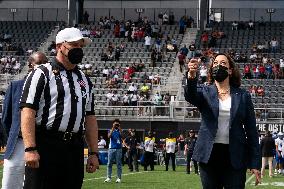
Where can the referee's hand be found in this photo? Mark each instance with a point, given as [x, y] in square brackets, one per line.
[92, 164]
[32, 159]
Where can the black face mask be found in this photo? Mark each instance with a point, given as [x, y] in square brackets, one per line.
[75, 55]
[220, 73]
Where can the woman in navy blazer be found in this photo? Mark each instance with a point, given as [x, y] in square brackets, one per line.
[227, 143]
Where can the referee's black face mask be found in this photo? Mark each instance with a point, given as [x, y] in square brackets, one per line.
[74, 55]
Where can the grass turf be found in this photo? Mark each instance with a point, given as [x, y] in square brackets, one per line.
[160, 179]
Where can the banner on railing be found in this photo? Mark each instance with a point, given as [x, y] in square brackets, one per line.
[272, 127]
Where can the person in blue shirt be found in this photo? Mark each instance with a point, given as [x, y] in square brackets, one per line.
[115, 150]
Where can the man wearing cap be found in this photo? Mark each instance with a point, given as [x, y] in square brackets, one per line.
[188, 152]
[57, 113]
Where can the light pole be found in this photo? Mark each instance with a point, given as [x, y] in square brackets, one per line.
[270, 12]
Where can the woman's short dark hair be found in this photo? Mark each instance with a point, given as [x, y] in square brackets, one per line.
[234, 78]
[116, 121]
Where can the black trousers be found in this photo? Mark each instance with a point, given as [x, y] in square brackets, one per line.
[61, 164]
[149, 160]
[188, 159]
[133, 159]
[173, 158]
[218, 173]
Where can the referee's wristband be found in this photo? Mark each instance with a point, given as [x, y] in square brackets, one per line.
[30, 149]
[93, 153]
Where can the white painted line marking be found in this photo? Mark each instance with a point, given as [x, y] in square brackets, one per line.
[249, 179]
[126, 174]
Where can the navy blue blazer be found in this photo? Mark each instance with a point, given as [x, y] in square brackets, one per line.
[243, 136]
[11, 119]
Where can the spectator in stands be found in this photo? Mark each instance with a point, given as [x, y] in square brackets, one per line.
[267, 147]
[251, 25]
[171, 18]
[157, 101]
[204, 39]
[223, 159]
[114, 99]
[188, 152]
[181, 61]
[211, 19]
[134, 98]
[273, 45]
[117, 30]
[253, 90]
[260, 91]
[182, 25]
[171, 148]
[153, 58]
[105, 72]
[160, 18]
[115, 150]
[213, 39]
[165, 18]
[275, 71]
[108, 98]
[192, 50]
[126, 99]
[268, 71]
[145, 89]
[102, 143]
[132, 88]
[262, 71]
[247, 72]
[158, 43]
[147, 43]
[117, 53]
[235, 25]
[184, 50]
[85, 32]
[126, 77]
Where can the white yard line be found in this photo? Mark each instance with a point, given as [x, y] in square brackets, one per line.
[126, 174]
[249, 179]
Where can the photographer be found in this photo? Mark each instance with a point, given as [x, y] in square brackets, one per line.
[115, 150]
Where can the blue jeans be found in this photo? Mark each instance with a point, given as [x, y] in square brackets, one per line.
[114, 156]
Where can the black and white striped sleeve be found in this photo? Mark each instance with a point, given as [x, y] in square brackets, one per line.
[33, 89]
[90, 104]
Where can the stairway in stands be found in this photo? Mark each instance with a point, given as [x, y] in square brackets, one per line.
[174, 82]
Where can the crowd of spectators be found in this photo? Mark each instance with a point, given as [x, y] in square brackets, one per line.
[10, 65]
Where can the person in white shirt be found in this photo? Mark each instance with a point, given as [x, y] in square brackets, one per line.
[165, 19]
[132, 88]
[125, 99]
[147, 43]
[102, 143]
[279, 143]
[274, 45]
[105, 72]
[281, 62]
[170, 148]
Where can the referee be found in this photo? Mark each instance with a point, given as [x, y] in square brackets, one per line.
[57, 113]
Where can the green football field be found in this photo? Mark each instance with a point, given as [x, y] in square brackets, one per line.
[160, 179]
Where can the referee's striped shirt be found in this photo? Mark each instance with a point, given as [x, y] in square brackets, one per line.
[60, 97]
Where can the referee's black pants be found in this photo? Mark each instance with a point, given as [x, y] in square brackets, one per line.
[167, 160]
[61, 164]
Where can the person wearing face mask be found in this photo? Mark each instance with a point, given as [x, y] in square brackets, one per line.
[227, 143]
[14, 164]
[57, 114]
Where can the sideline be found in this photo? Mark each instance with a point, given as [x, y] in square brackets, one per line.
[126, 174]
[249, 179]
